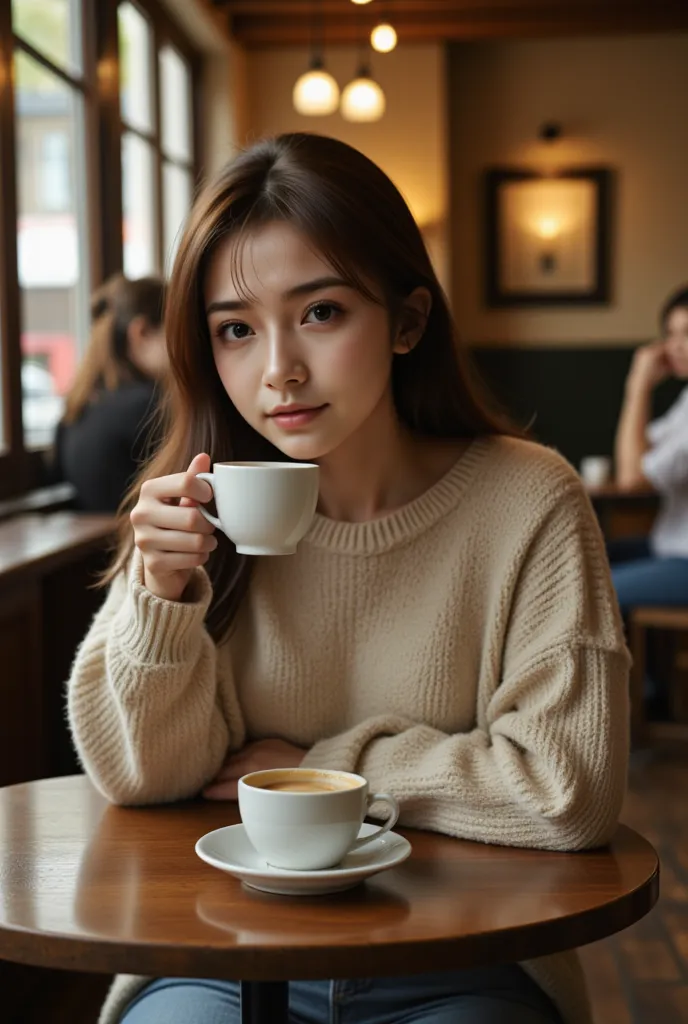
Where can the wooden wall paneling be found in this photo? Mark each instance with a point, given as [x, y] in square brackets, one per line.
[21, 703]
[69, 602]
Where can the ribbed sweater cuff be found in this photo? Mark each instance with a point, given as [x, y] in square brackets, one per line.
[344, 751]
[336, 753]
[153, 630]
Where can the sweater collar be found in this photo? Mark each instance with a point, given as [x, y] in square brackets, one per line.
[399, 527]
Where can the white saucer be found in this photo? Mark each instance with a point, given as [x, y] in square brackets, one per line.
[229, 849]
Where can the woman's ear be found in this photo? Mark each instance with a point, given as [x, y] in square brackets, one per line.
[412, 320]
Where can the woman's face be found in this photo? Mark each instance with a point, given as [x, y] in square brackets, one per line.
[147, 348]
[305, 359]
[676, 340]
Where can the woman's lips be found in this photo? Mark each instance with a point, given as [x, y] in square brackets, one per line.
[299, 418]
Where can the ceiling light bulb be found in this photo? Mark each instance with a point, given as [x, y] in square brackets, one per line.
[383, 38]
[363, 100]
[360, 1]
[316, 94]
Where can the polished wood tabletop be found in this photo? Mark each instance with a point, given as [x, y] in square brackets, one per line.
[89, 886]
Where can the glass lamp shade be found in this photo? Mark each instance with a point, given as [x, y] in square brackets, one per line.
[383, 38]
[363, 100]
[316, 93]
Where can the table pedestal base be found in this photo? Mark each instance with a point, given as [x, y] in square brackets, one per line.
[265, 1002]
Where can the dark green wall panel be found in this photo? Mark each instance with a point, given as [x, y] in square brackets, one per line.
[571, 395]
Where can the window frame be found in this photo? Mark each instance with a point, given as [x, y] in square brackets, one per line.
[21, 468]
[164, 31]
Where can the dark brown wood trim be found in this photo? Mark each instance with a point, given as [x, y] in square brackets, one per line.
[267, 23]
[167, 28]
[94, 194]
[10, 317]
[109, 138]
[158, 42]
[73, 81]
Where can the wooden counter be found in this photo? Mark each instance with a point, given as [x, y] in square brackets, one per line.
[48, 565]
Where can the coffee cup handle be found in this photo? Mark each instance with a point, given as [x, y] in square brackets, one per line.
[391, 821]
[209, 479]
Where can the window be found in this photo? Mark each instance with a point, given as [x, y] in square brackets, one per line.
[139, 174]
[60, 124]
[55, 172]
[52, 195]
[177, 147]
[53, 27]
[157, 147]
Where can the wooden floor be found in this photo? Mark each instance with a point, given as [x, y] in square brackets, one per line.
[641, 975]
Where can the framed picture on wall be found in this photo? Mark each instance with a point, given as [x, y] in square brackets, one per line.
[547, 237]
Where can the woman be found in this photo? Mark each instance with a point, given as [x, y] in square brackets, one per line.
[654, 570]
[447, 627]
[107, 428]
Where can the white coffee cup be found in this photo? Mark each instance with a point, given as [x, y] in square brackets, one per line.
[264, 507]
[307, 819]
[596, 470]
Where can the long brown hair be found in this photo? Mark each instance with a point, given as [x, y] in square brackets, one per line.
[358, 219]
[106, 363]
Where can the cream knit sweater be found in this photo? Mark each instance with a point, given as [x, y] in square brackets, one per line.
[464, 653]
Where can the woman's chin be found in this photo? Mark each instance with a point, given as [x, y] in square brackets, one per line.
[301, 449]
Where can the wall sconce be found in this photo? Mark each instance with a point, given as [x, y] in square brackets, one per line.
[547, 236]
[548, 228]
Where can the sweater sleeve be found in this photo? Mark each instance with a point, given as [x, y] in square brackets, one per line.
[545, 765]
[150, 710]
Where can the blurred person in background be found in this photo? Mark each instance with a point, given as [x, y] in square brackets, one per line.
[654, 570]
[108, 426]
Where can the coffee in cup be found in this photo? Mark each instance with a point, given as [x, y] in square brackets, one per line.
[308, 819]
[264, 507]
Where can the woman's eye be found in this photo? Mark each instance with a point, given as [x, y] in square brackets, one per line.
[322, 313]
[237, 330]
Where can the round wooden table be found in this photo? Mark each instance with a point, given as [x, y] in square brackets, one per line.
[88, 886]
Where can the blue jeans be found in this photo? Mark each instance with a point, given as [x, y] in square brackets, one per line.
[491, 995]
[641, 578]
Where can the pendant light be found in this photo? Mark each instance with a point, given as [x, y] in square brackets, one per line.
[316, 93]
[383, 38]
[363, 99]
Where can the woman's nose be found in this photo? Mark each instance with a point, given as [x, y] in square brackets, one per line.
[283, 366]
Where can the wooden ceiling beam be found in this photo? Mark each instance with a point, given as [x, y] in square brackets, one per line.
[293, 30]
[401, 8]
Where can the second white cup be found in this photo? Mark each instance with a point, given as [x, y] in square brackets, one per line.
[265, 508]
[596, 470]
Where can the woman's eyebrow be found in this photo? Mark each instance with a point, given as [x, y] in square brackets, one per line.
[306, 288]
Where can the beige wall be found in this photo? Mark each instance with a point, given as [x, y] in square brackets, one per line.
[223, 104]
[622, 103]
[409, 143]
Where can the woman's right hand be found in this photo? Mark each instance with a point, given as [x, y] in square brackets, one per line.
[650, 366]
[169, 531]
